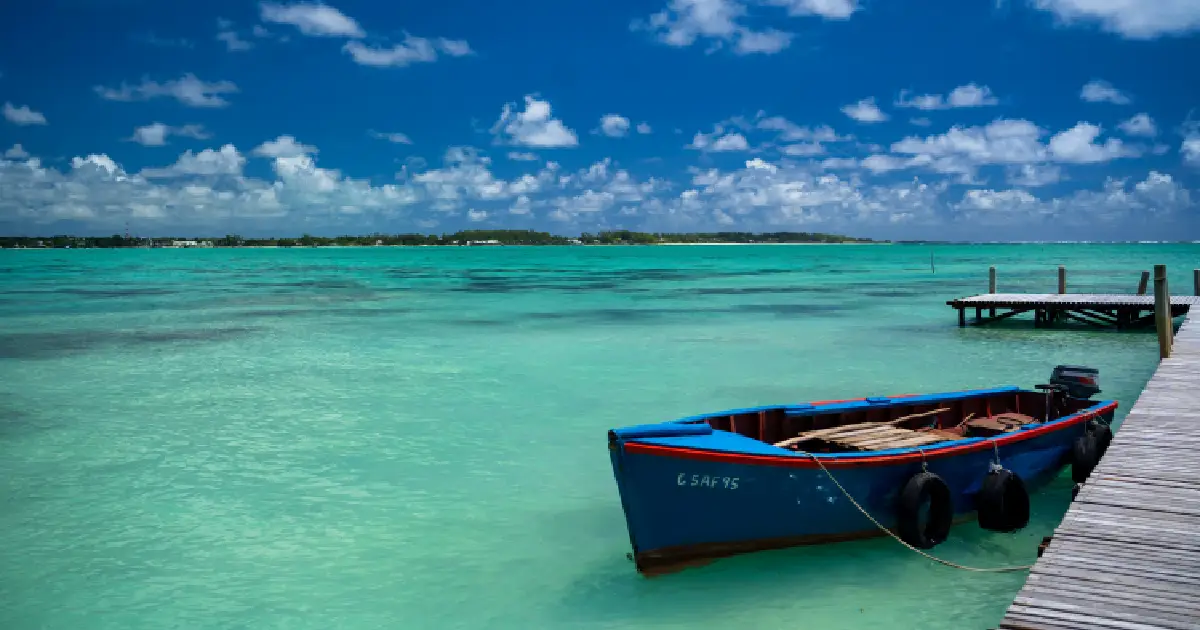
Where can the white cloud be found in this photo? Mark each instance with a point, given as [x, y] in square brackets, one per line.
[393, 137]
[683, 22]
[283, 147]
[228, 36]
[1133, 19]
[993, 200]
[522, 156]
[719, 140]
[808, 141]
[454, 47]
[880, 163]
[614, 125]
[466, 177]
[774, 196]
[467, 182]
[1158, 193]
[1097, 91]
[1140, 125]
[533, 127]
[759, 163]
[225, 161]
[590, 194]
[865, 111]
[1190, 149]
[721, 23]
[209, 191]
[828, 9]
[999, 142]
[644, 128]
[522, 206]
[766, 42]
[413, 50]
[312, 18]
[1078, 145]
[233, 43]
[1008, 142]
[1034, 175]
[834, 164]
[22, 115]
[187, 89]
[156, 134]
[17, 152]
[803, 149]
[791, 132]
[921, 122]
[152, 135]
[969, 95]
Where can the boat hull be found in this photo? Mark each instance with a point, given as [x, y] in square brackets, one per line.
[688, 504]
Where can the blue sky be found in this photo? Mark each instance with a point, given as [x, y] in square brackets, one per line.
[954, 119]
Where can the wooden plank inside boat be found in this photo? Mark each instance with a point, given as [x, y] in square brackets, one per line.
[855, 428]
[878, 436]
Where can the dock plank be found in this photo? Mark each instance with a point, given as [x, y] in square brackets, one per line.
[1127, 553]
[1064, 299]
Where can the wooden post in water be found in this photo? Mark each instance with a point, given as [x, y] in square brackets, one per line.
[1162, 311]
[992, 287]
[1145, 281]
[1062, 279]
[1196, 282]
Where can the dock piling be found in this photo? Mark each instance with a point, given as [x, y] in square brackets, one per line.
[992, 287]
[1143, 282]
[1196, 282]
[1162, 311]
[1062, 279]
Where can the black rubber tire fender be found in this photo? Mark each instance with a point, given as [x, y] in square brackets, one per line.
[1002, 504]
[1104, 436]
[1085, 454]
[922, 487]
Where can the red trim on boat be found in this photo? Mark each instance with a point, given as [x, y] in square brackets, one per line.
[792, 461]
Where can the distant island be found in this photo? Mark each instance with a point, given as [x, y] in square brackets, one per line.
[460, 238]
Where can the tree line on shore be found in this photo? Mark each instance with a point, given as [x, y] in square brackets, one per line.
[463, 237]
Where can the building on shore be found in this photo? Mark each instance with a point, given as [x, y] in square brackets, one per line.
[183, 243]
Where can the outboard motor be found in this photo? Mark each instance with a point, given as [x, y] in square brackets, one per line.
[1079, 382]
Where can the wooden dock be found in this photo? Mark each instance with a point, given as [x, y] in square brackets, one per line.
[1100, 310]
[1127, 554]
[1103, 310]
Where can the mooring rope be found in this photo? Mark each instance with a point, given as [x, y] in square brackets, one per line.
[901, 540]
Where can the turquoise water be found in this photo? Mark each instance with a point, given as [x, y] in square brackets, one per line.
[415, 437]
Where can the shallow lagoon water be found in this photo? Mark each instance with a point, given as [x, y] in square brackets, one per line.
[415, 437]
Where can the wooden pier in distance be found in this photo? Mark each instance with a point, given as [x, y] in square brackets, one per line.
[1094, 309]
[1127, 554]
[1100, 310]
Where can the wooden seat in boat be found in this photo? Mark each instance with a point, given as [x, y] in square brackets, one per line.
[999, 423]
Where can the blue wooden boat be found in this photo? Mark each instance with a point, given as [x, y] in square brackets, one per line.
[743, 480]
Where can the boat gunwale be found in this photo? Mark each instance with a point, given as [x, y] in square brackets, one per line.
[912, 454]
